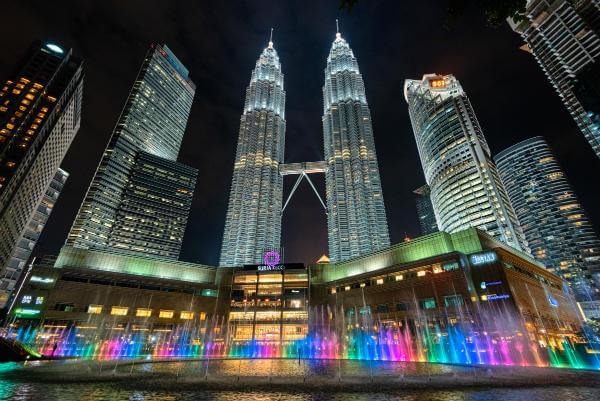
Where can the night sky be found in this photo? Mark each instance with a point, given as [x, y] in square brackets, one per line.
[219, 42]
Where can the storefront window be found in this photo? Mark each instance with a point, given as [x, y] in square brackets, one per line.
[428, 303]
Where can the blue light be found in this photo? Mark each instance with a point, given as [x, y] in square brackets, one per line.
[483, 258]
[494, 297]
[54, 48]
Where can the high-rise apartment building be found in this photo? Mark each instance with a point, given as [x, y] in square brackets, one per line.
[24, 246]
[356, 218]
[253, 221]
[466, 190]
[425, 211]
[40, 113]
[554, 223]
[122, 206]
[564, 37]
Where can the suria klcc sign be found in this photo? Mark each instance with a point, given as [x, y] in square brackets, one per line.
[271, 261]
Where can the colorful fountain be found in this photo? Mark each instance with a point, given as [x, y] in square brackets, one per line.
[341, 335]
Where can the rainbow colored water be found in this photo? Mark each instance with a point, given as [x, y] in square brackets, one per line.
[434, 343]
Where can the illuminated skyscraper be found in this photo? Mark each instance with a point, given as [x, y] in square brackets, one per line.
[425, 211]
[253, 221]
[556, 227]
[356, 218]
[24, 246]
[40, 113]
[122, 209]
[564, 37]
[466, 190]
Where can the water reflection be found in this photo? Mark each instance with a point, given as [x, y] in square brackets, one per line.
[36, 382]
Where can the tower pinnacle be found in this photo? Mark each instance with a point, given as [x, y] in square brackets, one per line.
[338, 35]
[271, 39]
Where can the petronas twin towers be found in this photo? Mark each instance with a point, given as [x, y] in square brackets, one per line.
[356, 218]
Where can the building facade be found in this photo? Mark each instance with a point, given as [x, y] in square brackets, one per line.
[466, 190]
[156, 203]
[442, 281]
[555, 225]
[40, 114]
[153, 121]
[456, 298]
[253, 221]
[564, 37]
[425, 211]
[30, 236]
[269, 303]
[356, 217]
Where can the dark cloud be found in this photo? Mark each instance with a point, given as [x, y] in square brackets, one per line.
[219, 43]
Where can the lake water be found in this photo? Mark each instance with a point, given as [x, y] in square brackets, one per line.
[262, 380]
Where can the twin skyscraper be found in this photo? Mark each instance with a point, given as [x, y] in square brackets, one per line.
[356, 218]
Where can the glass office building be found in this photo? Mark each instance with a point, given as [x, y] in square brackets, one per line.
[555, 225]
[425, 211]
[564, 38]
[253, 221]
[466, 190]
[356, 218]
[153, 121]
[40, 114]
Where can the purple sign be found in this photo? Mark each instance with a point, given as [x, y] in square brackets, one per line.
[271, 259]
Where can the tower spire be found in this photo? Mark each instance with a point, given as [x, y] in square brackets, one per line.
[338, 35]
[271, 39]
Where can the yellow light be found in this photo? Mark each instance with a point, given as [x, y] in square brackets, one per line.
[142, 312]
[166, 314]
[119, 310]
[94, 309]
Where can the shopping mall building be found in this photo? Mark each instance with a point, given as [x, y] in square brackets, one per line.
[440, 278]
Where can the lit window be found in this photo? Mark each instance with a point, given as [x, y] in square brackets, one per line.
[428, 303]
[332, 291]
[421, 273]
[39, 300]
[119, 310]
[186, 315]
[379, 281]
[26, 299]
[399, 277]
[347, 288]
[94, 309]
[142, 312]
[166, 314]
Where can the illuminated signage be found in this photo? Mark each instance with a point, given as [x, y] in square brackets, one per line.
[22, 312]
[494, 297]
[271, 261]
[486, 284]
[54, 48]
[552, 301]
[437, 83]
[43, 280]
[483, 258]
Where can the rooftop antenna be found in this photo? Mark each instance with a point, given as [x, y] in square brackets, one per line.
[338, 36]
[271, 39]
